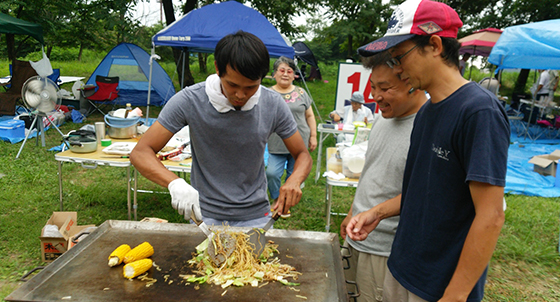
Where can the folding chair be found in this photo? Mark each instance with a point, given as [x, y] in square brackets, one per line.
[21, 72]
[490, 84]
[531, 116]
[105, 94]
[55, 76]
[372, 106]
[515, 118]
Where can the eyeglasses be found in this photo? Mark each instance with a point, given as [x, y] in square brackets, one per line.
[289, 71]
[396, 61]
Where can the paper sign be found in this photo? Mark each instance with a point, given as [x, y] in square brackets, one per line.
[352, 77]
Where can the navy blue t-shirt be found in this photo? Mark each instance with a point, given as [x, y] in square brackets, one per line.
[463, 138]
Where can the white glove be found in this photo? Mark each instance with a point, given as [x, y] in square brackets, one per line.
[184, 199]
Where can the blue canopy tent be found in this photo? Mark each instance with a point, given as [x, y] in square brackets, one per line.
[528, 46]
[131, 64]
[201, 29]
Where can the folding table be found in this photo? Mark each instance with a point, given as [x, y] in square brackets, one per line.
[345, 182]
[324, 131]
[100, 158]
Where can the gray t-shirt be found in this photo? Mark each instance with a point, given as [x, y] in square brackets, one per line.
[228, 149]
[382, 178]
[298, 101]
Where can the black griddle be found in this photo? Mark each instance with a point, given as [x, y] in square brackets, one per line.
[82, 273]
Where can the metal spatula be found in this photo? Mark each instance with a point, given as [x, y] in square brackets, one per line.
[218, 248]
[257, 236]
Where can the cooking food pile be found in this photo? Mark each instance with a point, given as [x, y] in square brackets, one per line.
[136, 260]
[241, 267]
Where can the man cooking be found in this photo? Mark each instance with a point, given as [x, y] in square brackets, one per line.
[230, 117]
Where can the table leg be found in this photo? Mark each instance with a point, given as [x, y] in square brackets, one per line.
[60, 185]
[328, 198]
[128, 191]
[319, 156]
[128, 203]
[135, 192]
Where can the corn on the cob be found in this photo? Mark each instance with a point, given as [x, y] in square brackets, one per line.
[144, 250]
[136, 268]
[117, 255]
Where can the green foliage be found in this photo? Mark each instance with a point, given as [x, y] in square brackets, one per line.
[347, 25]
[96, 24]
[67, 54]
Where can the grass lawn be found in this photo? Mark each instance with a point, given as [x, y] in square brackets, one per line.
[524, 267]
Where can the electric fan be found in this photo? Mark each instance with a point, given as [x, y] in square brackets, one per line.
[40, 95]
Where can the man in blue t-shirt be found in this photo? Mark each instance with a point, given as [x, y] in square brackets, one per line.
[451, 208]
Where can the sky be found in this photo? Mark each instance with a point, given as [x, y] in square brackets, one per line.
[148, 12]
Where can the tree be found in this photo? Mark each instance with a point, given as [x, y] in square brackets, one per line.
[19, 9]
[352, 23]
[74, 23]
[279, 12]
[169, 13]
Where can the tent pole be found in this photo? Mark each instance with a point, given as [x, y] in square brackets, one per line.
[310, 96]
[472, 59]
[183, 71]
[150, 83]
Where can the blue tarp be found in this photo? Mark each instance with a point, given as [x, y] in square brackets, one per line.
[529, 46]
[520, 177]
[201, 29]
[132, 65]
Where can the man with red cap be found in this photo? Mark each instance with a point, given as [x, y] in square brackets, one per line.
[451, 211]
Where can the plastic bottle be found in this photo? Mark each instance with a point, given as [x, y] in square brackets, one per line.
[128, 110]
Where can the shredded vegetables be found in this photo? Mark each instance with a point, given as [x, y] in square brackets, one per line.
[241, 267]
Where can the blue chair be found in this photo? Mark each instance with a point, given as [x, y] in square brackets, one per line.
[55, 77]
[372, 106]
[22, 72]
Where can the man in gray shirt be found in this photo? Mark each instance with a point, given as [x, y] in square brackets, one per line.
[230, 118]
[382, 175]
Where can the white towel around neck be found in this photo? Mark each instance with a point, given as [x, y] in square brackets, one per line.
[219, 100]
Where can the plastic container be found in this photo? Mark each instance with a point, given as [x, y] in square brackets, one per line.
[334, 164]
[121, 127]
[352, 166]
[353, 160]
[12, 129]
[106, 142]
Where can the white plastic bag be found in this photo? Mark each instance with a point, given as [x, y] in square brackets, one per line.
[42, 67]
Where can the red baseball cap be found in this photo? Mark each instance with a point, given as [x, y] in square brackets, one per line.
[415, 17]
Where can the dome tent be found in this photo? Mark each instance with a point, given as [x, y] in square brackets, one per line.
[132, 65]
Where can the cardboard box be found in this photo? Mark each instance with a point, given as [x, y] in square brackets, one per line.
[76, 234]
[546, 164]
[67, 223]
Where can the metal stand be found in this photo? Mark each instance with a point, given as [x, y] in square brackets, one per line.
[41, 129]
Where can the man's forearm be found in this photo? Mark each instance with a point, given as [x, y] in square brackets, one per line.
[302, 167]
[480, 241]
[146, 162]
[476, 254]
